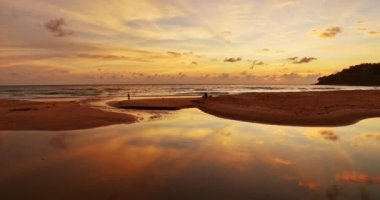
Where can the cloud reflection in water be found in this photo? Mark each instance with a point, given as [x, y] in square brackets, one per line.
[189, 156]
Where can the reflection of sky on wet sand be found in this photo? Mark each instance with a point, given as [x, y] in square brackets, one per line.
[193, 156]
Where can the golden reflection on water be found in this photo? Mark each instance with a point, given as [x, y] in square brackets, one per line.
[193, 155]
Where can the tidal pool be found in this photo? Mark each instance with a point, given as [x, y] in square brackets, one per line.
[193, 155]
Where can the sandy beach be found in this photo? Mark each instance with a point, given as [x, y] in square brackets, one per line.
[335, 108]
[332, 108]
[31, 115]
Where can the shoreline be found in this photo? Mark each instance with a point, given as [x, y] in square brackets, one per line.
[327, 109]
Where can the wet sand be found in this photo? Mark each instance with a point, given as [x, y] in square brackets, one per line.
[69, 115]
[335, 108]
[156, 104]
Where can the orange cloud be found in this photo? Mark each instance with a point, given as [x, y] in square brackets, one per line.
[110, 57]
[225, 36]
[256, 63]
[307, 184]
[357, 177]
[281, 161]
[329, 135]
[369, 32]
[174, 54]
[56, 26]
[233, 59]
[373, 135]
[331, 32]
[297, 60]
[360, 139]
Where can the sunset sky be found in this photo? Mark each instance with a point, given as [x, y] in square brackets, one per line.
[184, 41]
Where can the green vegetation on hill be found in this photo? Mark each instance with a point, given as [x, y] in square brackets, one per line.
[367, 74]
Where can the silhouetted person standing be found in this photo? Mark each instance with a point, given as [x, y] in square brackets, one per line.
[129, 96]
[205, 95]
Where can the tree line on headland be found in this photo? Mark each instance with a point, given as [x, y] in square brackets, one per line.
[366, 74]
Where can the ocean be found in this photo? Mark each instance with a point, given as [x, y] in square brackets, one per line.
[115, 91]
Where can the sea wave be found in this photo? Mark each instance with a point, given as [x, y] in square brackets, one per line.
[89, 91]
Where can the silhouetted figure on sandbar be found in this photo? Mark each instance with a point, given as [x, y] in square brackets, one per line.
[205, 95]
[129, 96]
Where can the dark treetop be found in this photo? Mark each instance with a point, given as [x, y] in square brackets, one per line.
[367, 74]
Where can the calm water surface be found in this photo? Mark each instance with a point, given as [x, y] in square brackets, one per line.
[192, 155]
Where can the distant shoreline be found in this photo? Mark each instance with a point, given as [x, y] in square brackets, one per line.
[328, 108]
